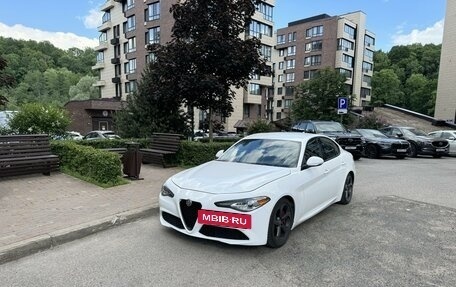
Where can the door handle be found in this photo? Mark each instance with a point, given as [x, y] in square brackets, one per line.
[326, 171]
[343, 163]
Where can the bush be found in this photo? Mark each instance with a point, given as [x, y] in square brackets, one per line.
[221, 140]
[196, 153]
[113, 143]
[259, 126]
[37, 118]
[96, 166]
[372, 121]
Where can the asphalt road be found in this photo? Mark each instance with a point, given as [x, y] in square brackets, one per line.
[400, 230]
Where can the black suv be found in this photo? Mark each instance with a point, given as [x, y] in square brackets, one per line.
[353, 143]
[420, 142]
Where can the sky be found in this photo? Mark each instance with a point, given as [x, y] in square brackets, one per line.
[73, 23]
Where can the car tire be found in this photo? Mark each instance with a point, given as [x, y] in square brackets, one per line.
[347, 192]
[400, 156]
[356, 156]
[280, 223]
[413, 150]
[372, 151]
[437, 156]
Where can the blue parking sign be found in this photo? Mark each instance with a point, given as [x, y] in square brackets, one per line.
[342, 105]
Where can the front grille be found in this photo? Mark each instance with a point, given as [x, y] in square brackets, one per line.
[222, 232]
[349, 141]
[440, 143]
[189, 213]
[399, 145]
[173, 220]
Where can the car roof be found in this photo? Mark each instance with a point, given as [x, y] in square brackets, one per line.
[444, 131]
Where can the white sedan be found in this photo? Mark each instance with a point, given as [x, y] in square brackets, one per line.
[450, 136]
[259, 189]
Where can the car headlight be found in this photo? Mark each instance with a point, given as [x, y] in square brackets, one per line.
[245, 204]
[165, 191]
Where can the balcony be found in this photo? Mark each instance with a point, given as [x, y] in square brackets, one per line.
[115, 41]
[98, 66]
[132, 76]
[102, 46]
[107, 5]
[252, 99]
[99, 83]
[105, 26]
[116, 80]
[115, 61]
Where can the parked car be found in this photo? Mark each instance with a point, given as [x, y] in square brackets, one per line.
[199, 134]
[378, 144]
[420, 142]
[351, 142]
[450, 136]
[69, 135]
[259, 189]
[97, 135]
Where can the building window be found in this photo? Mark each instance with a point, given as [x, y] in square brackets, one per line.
[310, 74]
[367, 80]
[130, 87]
[278, 116]
[153, 35]
[279, 103]
[290, 77]
[280, 39]
[369, 41]
[292, 37]
[266, 10]
[312, 60]
[281, 65]
[254, 76]
[282, 52]
[100, 57]
[348, 60]
[279, 91]
[291, 51]
[344, 45]
[106, 17]
[287, 103]
[151, 58]
[131, 45]
[280, 78]
[152, 12]
[130, 66]
[365, 92]
[314, 46]
[103, 37]
[127, 5]
[130, 24]
[346, 73]
[367, 67]
[369, 54]
[254, 89]
[291, 64]
[247, 110]
[350, 31]
[314, 31]
[289, 91]
[257, 29]
[266, 52]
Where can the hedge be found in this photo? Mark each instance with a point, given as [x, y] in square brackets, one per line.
[97, 166]
[113, 143]
[196, 153]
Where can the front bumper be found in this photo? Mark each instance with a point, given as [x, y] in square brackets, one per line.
[174, 213]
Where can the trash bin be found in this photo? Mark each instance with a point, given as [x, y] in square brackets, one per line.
[132, 160]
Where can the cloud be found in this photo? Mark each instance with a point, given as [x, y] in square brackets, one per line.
[61, 40]
[433, 34]
[93, 19]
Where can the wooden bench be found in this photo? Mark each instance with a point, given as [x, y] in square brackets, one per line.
[163, 149]
[26, 154]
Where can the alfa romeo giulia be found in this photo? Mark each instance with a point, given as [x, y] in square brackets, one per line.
[259, 189]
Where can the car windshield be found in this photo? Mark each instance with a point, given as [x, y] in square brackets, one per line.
[330, 127]
[270, 152]
[415, 132]
[372, 133]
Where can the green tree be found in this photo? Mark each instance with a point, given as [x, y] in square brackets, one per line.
[5, 80]
[37, 118]
[386, 87]
[316, 99]
[84, 89]
[259, 126]
[419, 91]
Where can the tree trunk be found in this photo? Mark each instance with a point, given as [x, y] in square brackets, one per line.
[211, 133]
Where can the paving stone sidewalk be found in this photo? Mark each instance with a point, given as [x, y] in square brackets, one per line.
[36, 205]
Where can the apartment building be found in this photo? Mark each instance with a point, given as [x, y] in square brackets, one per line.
[308, 45]
[130, 25]
[445, 106]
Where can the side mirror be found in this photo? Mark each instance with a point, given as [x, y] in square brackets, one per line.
[399, 135]
[219, 153]
[451, 138]
[313, 161]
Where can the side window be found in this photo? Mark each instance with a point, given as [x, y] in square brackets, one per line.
[302, 126]
[396, 132]
[446, 135]
[311, 128]
[330, 149]
[387, 132]
[312, 149]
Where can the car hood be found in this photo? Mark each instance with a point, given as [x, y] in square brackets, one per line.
[218, 177]
[341, 135]
[385, 140]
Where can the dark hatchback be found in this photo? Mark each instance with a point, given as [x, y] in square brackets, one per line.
[420, 142]
[378, 144]
[351, 142]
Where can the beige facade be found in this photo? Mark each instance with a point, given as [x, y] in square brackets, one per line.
[308, 45]
[130, 25]
[445, 106]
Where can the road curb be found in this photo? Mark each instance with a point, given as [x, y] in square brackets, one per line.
[46, 241]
